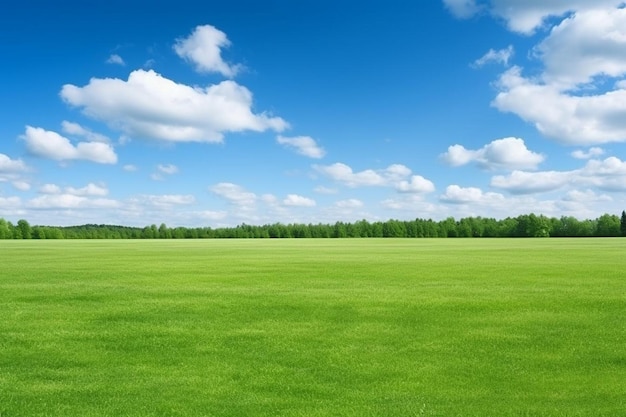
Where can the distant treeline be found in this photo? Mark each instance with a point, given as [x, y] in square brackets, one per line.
[528, 225]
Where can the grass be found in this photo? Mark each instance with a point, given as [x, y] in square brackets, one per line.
[371, 327]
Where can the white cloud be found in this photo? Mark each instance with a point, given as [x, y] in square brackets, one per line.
[234, 193]
[609, 166]
[570, 99]
[585, 196]
[506, 153]
[501, 56]
[343, 173]
[48, 144]
[70, 201]
[521, 182]
[168, 169]
[417, 184]
[151, 106]
[572, 120]
[204, 49]
[304, 145]
[469, 195]
[10, 203]
[594, 40]
[21, 185]
[325, 190]
[130, 168]
[396, 175]
[8, 165]
[462, 9]
[78, 130]
[608, 174]
[295, 200]
[50, 189]
[115, 59]
[351, 203]
[212, 215]
[167, 200]
[525, 16]
[90, 189]
[591, 153]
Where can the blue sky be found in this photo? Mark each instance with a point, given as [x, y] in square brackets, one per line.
[221, 113]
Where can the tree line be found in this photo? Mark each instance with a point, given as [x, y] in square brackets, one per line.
[527, 225]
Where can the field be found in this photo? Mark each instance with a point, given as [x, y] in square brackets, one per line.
[364, 327]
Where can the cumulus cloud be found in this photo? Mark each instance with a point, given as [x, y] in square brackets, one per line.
[501, 56]
[90, 189]
[78, 130]
[571, 103]
[325, 190]
[507, 153]
[87, 197]
[295, 200]
[521, 182]
[203, 48]
[115, 59]
[164, 169]
[70, 201]
[343, 173]
[416, 184]
[462, 9]
[469, 195]
[168, 169]
[350, 203]
[166, 200]
[21, 185]
[303, 145]
[397, 176]
[151, 106]
[50, 189]
[234, 193]
[48, 144]
[8, 165]
[526, 16]
[594, 39]
[608, 174]
[10, 203]
[591, 153]
[585, 196]
[570, 119]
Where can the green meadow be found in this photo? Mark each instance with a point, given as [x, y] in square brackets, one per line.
[313, 327]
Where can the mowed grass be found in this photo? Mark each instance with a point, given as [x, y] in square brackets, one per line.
[369, 327]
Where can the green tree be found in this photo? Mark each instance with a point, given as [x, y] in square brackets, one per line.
[164, 232]
[623, 223]
[25, 229]
[608, 225]
[5, 233]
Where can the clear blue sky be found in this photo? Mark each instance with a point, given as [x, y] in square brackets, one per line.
[220, 113]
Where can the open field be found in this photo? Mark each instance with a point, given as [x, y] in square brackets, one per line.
[365, 327]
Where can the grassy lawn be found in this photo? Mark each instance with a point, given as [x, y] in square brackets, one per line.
[369, 327]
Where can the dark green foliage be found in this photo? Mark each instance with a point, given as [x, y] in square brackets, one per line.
[526, 225]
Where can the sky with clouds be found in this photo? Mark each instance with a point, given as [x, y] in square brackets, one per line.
[220, 113]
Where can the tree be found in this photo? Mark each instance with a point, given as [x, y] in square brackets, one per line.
[25, 229]
[623, 223]
[608, 225]
[164, 232]
[5, 233]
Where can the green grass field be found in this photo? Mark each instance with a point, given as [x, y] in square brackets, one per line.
[369, 327]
